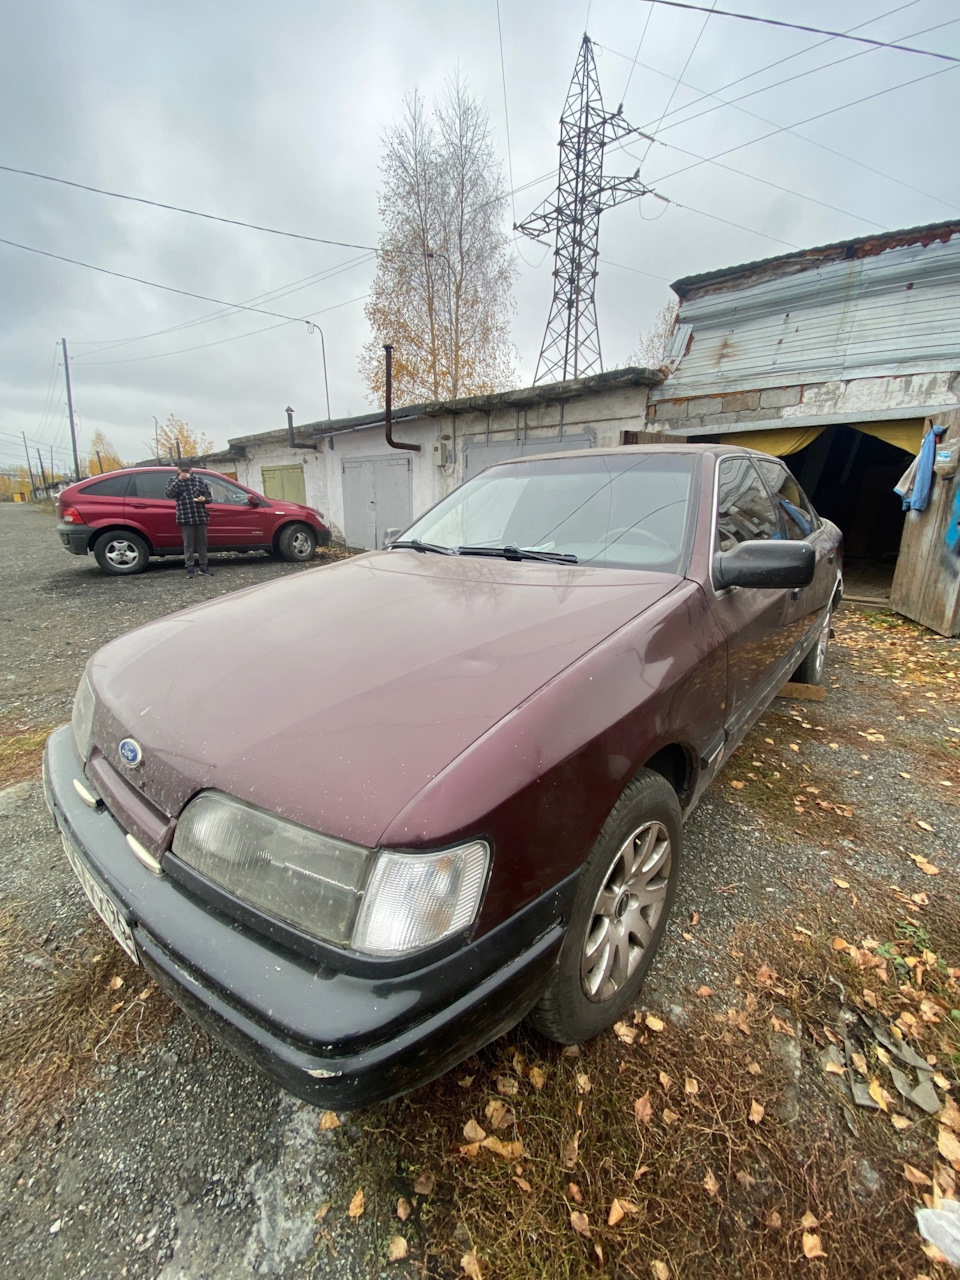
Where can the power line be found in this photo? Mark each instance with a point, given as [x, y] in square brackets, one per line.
[220, 341]
[175, 208]
[793, 26]
[281, 291]
[168, 288]
[807, 120]
[803, 137]
[677, 82]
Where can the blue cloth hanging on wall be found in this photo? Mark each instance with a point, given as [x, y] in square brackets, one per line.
[915, 483]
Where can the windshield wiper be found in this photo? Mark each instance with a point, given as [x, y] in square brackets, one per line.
[416, 545]
[518, 553]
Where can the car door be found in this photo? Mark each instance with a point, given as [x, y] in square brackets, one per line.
[233, 521]
[754, 620]
[805, 606]
[149, 509]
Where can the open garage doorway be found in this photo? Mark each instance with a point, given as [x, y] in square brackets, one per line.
[849, 472]
[849, 476]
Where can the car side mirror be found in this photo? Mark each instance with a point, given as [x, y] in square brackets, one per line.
[252, 501]
[765, 563]
[389, 536]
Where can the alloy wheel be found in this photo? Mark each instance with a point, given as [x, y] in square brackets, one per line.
[626, 911]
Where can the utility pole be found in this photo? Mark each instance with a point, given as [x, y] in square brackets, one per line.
[156, 436]
[73, 425]
[571, 344]
[33, 483]
[99, 460]
[43, 474]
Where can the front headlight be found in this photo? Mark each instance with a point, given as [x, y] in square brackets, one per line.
[82, 720]
[290, 872]
[381, 903]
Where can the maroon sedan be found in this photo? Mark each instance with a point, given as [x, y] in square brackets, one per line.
[361, 821]
[125, 517]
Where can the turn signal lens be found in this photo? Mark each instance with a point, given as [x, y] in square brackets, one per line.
[415, 899]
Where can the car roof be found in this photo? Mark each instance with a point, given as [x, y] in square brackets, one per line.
[617, 451]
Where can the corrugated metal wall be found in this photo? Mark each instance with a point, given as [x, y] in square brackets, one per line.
[895, 313]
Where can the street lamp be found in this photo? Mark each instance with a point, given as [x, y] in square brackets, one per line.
[311, 327]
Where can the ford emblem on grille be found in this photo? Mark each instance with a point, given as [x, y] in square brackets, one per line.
[131, 752]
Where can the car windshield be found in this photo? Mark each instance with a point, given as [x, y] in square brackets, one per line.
[624, 511]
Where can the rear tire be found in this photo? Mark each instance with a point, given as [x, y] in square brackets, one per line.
[297, 542]
[619, 916]
[121, 552]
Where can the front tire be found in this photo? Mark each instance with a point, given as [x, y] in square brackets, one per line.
[810, 670]
[297, 542]
[627, 887]
[121, 552]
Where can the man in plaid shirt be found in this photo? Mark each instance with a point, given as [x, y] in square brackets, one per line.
[192, 495]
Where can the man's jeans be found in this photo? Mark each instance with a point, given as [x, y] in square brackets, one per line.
[194, 534]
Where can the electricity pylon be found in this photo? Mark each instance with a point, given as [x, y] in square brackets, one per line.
[571, 344]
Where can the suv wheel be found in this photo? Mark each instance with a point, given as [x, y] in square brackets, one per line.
[121, 553]
[297, 542]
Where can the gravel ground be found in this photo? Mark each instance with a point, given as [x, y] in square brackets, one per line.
[182, 1163]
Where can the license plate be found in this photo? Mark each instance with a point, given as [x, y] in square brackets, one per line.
[105, 907]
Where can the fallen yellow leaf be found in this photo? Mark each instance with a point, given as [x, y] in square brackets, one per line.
[509, 1150]
[654, 1023]
[756, 1112]
[403, 1209]
[660, 1270]
[537, 1078]
[508, 1086]
[643, 1108]
[357, 1204]
[615, 1214]
[812, 1248]
[690, 1086]
[875, 1089]
[472, 1131]
[329, 1120]
[583, 1083]
[808, 1221]
[470, 1263]
[711, 1184]
[580, 1222]
[704, 991]
[398, 1249]
[425, 1183]
[948, 1144]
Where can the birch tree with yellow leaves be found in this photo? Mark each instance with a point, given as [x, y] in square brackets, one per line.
[442, 294]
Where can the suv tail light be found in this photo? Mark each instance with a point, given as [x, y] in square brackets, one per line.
[71, 516]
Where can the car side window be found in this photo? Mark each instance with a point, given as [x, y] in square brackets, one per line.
[744, 509]
[111, 487]
[224, 491]
[799, 518]
[152, 484]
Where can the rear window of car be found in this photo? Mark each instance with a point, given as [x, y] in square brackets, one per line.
[109, 487]
[152, 484]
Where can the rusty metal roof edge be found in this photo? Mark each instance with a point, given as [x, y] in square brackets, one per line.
[808, 259]
[902, 414]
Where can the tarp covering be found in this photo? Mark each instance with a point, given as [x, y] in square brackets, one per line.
[904, 434]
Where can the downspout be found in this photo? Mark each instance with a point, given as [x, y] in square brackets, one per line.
[387, 416]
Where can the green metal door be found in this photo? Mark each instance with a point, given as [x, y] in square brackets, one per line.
[284, 484]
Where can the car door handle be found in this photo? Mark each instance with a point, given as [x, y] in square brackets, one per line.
[795, 593]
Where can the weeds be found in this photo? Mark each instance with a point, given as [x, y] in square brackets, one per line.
[21, 752]
[93, 1008]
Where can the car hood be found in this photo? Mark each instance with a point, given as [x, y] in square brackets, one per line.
[334, 696]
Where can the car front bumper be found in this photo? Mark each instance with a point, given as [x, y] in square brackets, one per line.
[75, 537]
[335, 1038]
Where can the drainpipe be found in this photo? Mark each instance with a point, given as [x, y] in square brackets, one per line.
[289, 413]
[388, 420]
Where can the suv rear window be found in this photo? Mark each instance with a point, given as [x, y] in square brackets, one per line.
[111, 487]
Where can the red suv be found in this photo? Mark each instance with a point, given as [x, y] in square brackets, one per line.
[125, 517]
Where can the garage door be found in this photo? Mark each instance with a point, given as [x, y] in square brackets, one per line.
[483, 454]
[284, 484]
[376, 497]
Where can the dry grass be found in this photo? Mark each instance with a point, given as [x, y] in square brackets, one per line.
[88, 1007]
[659, 1143]
[21, 752]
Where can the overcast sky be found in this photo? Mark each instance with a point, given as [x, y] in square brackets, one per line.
[273, 114]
